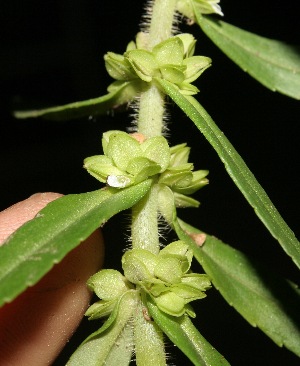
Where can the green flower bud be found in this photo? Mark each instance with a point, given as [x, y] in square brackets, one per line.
[198, 181]
[166, 203]
[138, 265]
[118, 67]
[176, 178]
[170, 51]
[169, 268]
[179, 248]
[188, 42]
[100, 166]
[174, 74]
[108, 284]
[121, 149]
[170, 303]
[179, 155]
[106, 137]
[142, 168]
[143, 62]
[197, 280]
[100, 309]
[188, 293]
[195, 66]
[183, 201]
[187, 89]
[157, 149]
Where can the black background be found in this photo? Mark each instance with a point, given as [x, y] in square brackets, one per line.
[52, 53]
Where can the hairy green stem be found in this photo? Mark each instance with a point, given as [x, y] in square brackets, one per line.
[151, 106]
[148, 338]
[151, 112]
[161, 22]
[144, 229]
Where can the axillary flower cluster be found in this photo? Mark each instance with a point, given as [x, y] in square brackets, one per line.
[129, 159]
[165, 277]
[171, 60]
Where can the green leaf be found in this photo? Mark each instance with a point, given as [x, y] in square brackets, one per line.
[32, 250]
[273, 63]
[112, 345]
[123, 92]
[187, 338]
[262, 297]
[238, 171]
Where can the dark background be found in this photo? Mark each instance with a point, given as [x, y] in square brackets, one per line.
[52, 53]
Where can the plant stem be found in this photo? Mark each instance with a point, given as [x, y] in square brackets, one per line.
[151, 106]
[161, 22]
[151, 112]
[144, 230]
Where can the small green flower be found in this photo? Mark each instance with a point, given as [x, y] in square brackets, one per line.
[118, 67]
[166, 277]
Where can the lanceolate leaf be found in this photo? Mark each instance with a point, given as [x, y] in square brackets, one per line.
[113, 346]
[238, 171]
[63, 224]
[262, 297]
[182, 332]
[273, 63]
[91, 107]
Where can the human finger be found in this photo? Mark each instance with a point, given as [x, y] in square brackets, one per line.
[35, 327]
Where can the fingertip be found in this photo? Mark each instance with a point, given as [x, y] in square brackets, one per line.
[16, 215]
[38, 324]
[35, 327]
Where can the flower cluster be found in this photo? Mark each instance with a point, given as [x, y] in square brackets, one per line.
[166, 277]
[128, 161]
[171, 60]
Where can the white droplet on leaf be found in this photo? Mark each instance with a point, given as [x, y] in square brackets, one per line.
[118, 181]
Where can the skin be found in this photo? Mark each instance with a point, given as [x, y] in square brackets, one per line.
[35, 327]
